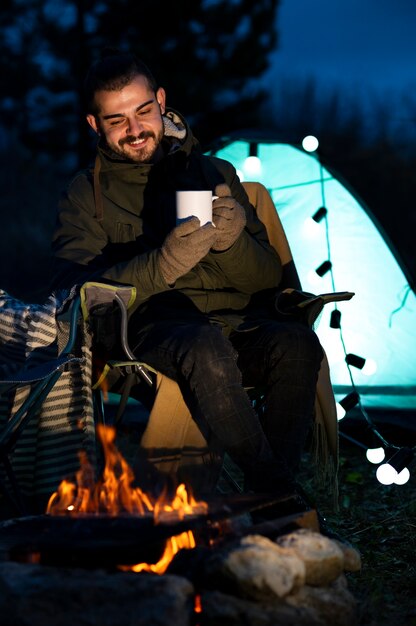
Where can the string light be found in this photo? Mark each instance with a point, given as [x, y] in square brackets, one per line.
[375, 452]
[315, 276]
[252, 164]
[320, 214]
[253, 149]
[386, 474]
[370, 367]
[312, 224]
[402, 458]
[310, 143]
[323, 268]
[403, 477]
[335, 320]
[395, 471]
[355, 361]
[367, 366]
[346, 404]
[375, 455]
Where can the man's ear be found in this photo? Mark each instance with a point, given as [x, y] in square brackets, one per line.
[92, 121]
[161, 98]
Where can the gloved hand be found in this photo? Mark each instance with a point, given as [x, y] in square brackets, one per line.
[184, 247]
[228, 216]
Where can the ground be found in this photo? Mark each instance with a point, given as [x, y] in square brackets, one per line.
[381, 522]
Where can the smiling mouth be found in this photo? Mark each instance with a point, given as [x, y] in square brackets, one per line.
[135, 142]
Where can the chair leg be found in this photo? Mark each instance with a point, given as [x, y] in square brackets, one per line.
[99, 413]
[99, 419]
[131, 379]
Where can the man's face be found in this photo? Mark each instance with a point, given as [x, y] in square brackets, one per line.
[131, 120]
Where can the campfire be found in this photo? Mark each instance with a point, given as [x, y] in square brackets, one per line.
[277, 571]
[114, 494]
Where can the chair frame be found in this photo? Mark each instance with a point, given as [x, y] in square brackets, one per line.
[42, 379]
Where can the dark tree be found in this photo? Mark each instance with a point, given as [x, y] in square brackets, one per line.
[208, 55]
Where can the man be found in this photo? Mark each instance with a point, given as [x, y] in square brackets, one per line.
[205, 310]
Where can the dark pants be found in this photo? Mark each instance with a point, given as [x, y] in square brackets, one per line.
[212, 370]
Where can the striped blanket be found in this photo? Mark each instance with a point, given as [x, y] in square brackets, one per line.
[48, 448]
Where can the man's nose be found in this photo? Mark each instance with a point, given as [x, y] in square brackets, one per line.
[134, 126]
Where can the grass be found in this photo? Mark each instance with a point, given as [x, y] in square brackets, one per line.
[380, 521]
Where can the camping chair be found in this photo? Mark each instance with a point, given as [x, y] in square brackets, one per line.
[173, 441]
[47, 409]
[40, 379]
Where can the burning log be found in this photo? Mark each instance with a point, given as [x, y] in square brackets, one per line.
[112, 523]
[115, 493]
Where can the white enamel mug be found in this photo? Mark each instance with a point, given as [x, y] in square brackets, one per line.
[197, 203]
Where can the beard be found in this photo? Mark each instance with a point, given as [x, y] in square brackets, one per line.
[125, 147]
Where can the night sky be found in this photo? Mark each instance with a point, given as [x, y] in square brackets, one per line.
[366, 48]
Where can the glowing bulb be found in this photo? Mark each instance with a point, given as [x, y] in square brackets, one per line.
[312, 228]
[370, 367]
[313, 224]
[340, 411]
[310, 143]
[240, 175]
[386, 474]
[402, 477]
[252, 166]
[375, 455]
[313, 278]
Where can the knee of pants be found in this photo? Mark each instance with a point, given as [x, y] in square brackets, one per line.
[298, 342]
[211, 354]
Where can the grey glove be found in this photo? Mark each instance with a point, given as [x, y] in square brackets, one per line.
[184, 247]
[228, 216]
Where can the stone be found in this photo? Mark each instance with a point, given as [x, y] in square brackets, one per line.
[38, 595]
[256, 568]
[221, 609]
[334, 605]
[352, 557]
[323, 559]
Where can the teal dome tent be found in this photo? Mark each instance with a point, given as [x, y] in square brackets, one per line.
[379, 323]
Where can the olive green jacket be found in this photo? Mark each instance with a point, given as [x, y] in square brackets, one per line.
[138, 211]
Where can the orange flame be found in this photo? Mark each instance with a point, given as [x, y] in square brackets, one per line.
[184, 541]
[197, 604]
[114, 494]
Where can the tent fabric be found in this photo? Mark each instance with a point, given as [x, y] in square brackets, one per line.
[378, 324]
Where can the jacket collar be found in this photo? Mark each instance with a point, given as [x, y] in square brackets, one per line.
[177, 137]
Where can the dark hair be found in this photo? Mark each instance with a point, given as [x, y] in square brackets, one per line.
[113, 71]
